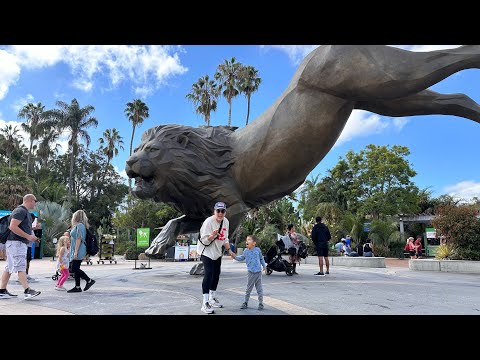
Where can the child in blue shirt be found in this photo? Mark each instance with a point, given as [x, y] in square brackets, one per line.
[254, 259]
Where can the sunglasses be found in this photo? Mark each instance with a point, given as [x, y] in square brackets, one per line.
[221, 211]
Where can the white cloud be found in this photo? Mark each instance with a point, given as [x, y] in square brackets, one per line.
[463, 190]
[147, 67]
[399, 122]
[425, 47]
[296, 53]
[361, 124]
[21, 102]
[9, 72]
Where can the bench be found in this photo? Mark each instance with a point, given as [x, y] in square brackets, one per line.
[406, 254]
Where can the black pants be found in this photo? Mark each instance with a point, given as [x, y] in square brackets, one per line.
[211, 273]
[79, 273]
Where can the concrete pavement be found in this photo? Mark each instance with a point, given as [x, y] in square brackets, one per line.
[168, 289]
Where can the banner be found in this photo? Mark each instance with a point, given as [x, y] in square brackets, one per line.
[143, 237]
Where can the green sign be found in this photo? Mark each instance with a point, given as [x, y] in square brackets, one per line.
[143, 237]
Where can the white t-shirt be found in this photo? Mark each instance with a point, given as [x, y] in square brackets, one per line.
[213, 251]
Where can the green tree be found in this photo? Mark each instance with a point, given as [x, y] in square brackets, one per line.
[204, 95]
[34, 115]
[109, 144]
[376, 181]
[137, 112]
[228, 74]
[461, 227]
[11, 141]
[75, 120]
[249, 82]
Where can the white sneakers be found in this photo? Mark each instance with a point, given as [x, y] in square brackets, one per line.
[207, 309]
[60, 288]
[215, 303]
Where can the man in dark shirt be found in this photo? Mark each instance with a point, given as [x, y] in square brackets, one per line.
[320, 237]
[21, 234]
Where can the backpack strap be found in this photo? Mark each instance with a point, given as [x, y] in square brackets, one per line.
[204, 246]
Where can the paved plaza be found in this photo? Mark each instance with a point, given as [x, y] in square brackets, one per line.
[168, 289]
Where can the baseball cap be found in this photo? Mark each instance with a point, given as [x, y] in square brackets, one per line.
[220, 205]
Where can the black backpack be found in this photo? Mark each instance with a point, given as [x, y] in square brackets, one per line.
[91, 243]
[4, 230]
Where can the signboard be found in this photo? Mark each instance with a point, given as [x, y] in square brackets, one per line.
[366, 227]
[143, 237]
[192, 254]
[431, 233]
[181, 252]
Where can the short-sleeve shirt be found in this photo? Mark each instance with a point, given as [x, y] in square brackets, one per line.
[213, 251]
[82, 249]
[21, 213]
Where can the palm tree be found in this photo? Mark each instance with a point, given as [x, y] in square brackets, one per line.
[11, 141]
[248, 84]
[108, 145]
[137, 112]
[75, 120]
[227, 74]
[111, 138]
[34, 114]
[204, 95]
[44, 150]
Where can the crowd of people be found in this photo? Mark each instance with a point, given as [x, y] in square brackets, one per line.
[17, 250]
[213, 243]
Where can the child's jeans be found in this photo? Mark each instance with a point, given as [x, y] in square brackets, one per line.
[63, 277]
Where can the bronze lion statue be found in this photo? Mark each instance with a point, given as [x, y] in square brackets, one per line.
[192, 168]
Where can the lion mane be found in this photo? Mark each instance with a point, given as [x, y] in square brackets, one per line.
[192, 169]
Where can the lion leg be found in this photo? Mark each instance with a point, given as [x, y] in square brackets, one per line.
[426, 102]
[383, 72]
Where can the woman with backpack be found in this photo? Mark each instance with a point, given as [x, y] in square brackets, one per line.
[78, 250]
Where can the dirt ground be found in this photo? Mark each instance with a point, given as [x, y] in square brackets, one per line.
[394, 262]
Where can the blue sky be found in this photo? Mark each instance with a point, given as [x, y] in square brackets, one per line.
[444, 149]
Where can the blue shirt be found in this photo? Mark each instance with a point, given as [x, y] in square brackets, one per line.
[82, 249]
[253, 258]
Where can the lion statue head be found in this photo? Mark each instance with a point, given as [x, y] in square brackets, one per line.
[188, 168]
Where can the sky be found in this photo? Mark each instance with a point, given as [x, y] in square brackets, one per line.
[444, 149]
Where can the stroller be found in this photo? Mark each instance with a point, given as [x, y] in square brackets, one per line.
[274, 259]
[57, 273]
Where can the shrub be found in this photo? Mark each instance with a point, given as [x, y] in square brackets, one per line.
[461, 228]
[444, 252]
[395, 249]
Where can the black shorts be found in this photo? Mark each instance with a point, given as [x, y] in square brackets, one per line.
[292, 251]
[321, 251]
[29, 254]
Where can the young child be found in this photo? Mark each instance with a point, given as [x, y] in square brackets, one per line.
[254, 258]
[63, 261]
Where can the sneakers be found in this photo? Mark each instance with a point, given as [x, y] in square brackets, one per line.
[60, 288]
[326, 273]
[89, 285]
[244, 306]
[320, 274]
[7, 295]
[260, 306]
[30, 293]
[75, 289]
[207, 309]
[215, 303]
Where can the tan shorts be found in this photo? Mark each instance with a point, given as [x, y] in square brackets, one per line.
[16, 256]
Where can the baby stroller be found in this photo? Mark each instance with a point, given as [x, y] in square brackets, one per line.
[57, 274]
[274, 259]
